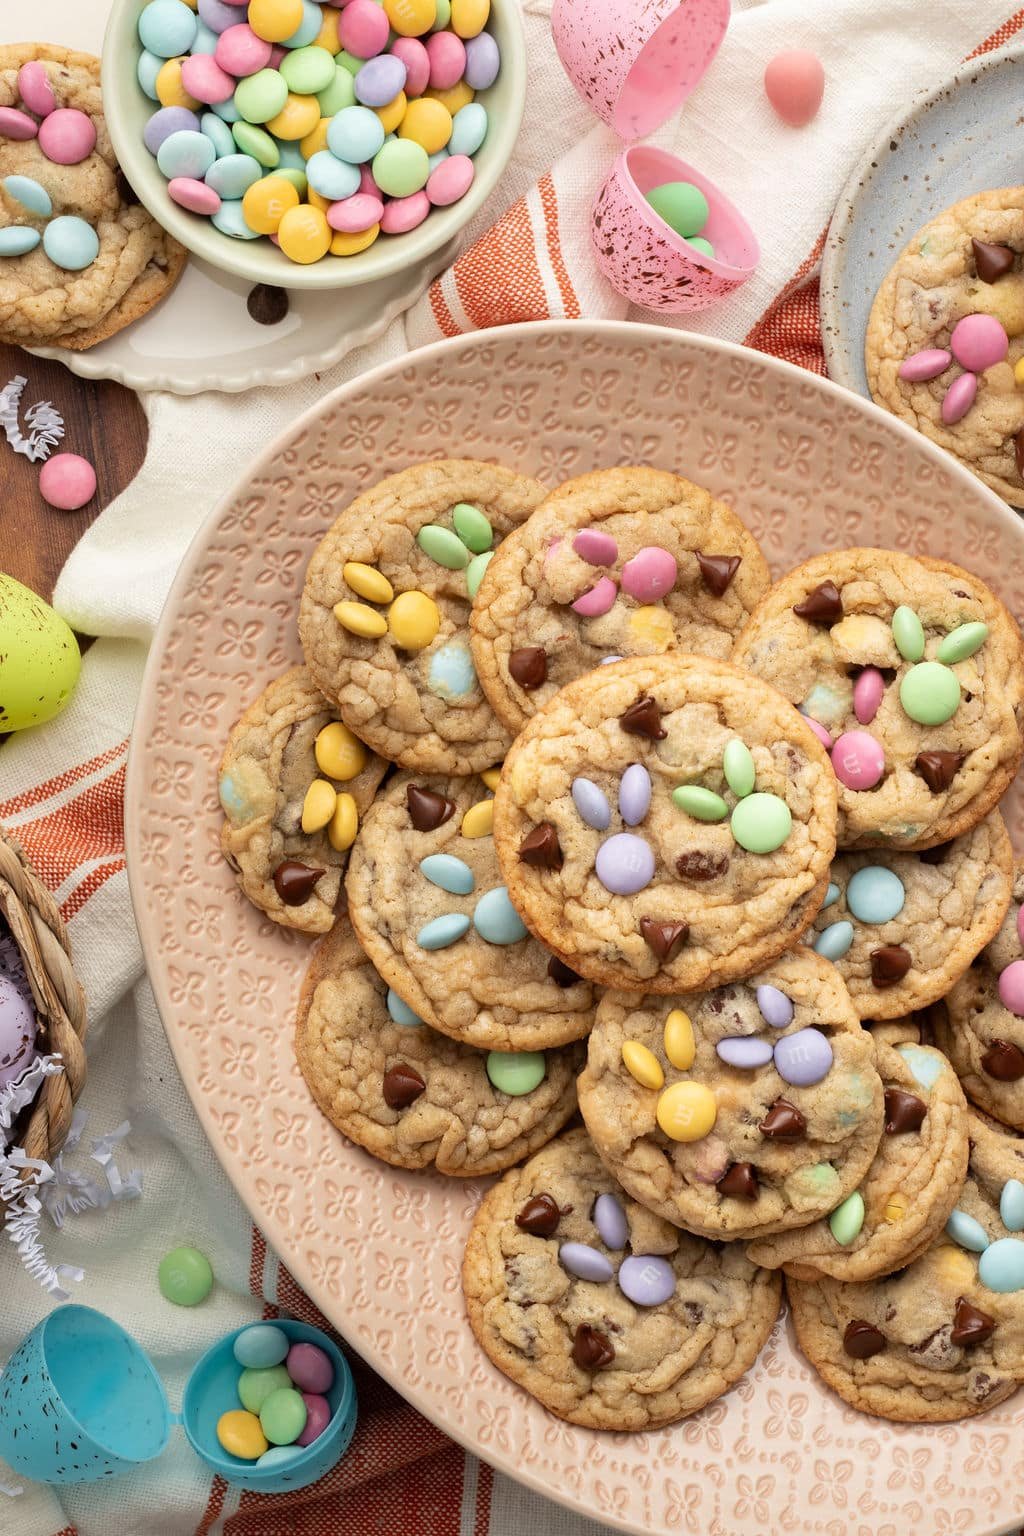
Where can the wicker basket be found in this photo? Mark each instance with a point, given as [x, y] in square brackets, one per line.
[40, 935]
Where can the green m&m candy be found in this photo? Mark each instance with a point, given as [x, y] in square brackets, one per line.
[682, 205]
[257, 143]
[442, 545]
[962, 642]
[908, 633]
[761, 823]
[516, 1072]
[700, 244]
[283, 1416]
[255, 1386]
[472, 527]
[930, 693]
[847, 1219]
[401, 167]
[308, 71]
[738, 767]
[185, 1277]
[261, 96]
[475, 571]
[702, 804]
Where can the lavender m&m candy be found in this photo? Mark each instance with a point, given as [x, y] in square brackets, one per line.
[584, 1262]
[610, 1221]
[600, 597]
[647, 1279]
[1011, 987]
[310, 1367]
[166, 121]
[595, 547]
[803, 1059]
[591, 804]
[483, 62]
[925, 365]
[634, 794]
[868, 693]
[624, 864]
[776, 1008]
[380, 80]
[650, 575]
[858, 760]
[67, 136]
[745, 1052]
[18, 1029]
[318, 1416]
[959, 398]
[979, 342]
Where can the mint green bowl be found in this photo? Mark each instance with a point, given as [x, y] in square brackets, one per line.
[128, 109]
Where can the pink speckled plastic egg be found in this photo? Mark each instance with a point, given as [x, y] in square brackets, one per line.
[645, 260]
[636, 61]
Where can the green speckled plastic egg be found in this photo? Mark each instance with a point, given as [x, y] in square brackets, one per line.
[39, 658]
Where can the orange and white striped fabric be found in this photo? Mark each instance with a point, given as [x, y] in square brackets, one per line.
[61, 786]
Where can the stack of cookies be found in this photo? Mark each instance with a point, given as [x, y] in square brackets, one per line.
[585, 774]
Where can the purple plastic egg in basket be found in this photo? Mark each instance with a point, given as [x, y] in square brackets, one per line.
[645, 260]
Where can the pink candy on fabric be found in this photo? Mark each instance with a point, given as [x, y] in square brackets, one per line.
[16, 125]
[598, 600]
[979, 342]
[858, 760]
[241, 51]
[650, 575]
[447, 54]
[595, 547]
[959, 398]
[353, 215]
[868, 692]
[203, 78]
[194, 195]
[452, 179]
[363, 29]
[404, 213]
[821, 733]
[67, 136]
[1011, 988]
[417, 64]
[67, 482]
[925, 365]
[35, 89]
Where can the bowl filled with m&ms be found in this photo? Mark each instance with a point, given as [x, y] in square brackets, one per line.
[314, 145]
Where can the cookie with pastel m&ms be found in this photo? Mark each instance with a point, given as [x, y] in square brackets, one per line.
[910, 670]
[293, 784]
[907, 1195]
[80, 258]
[901, 927]
[621, 562]
[943, 1338]
[665, 823]
[385, 611]
[608, 1315]
[413, 1097]
[431, 909]
[744, 1110]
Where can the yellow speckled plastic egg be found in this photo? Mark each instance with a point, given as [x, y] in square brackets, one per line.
[314, 142]
[339, 754]
[169, 89]
[299, 116]
[642, 1064]
[341, 833]
[39, 658]
[411, 18]
[414, 620]
[328, 37]
[455, 98]
[680, 1046]
[687, 1111]
[241, 1434]
[469, 17]
[266, 203]
[305, 234]
[350, 245]
[427, 122]
[275, 20]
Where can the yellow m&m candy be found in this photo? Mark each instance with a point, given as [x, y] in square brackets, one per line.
[680, 1047]
[298, 118]
[479, 819]
[414, 620]
[328, 37]
[411, 18]
[427, 122]
[954, 1267]
[469, 17]
[492, 777]
[305, 236]
[652, 628]
[241, 1434]
[351, 245]
[341, 833]
[642, 1064]
[318, 806]
[266, 203]
[393, 113]
[275, 20]
[687, 1111]
[360, 620]
[339, 754]
[896, 1208]
[1018, 371]
[315, 141]
[367, 581]
[454, 99]
[169, 89]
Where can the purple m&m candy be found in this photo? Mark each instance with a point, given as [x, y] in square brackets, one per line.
[650, 575]
[647, 1280]
[380, 80]
[776, 1008]
[310, 1368]
[596, 548]
[165, 122]
[592, 804]
[584, 1262]
[483, 61]
[624, 864]
[1011, 987]
[745, 1051]
[318, 1416]
[925, 365]
[803, 1059]
[610, 1221]
[634, 794]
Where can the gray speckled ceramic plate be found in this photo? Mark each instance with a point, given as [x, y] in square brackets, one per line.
[965, 136]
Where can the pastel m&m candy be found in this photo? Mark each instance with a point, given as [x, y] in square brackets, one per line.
[68, 136]
[310, 1367]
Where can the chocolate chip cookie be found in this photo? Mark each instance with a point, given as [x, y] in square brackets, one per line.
[621, 562]
[665, 822]
[410, 1096]
[429, 904]
[137, 263]
[385, 611]
[901, 928]
[737, 1112]
[968, 261]
[905, 1198]
[911, 671]
[293, 783]
[981, 1024]
[944, 1338]
[609, 1316]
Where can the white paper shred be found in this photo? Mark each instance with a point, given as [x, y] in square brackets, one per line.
[45, 423]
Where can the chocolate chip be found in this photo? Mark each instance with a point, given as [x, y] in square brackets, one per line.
[862, 1340]
[560, 973]
[970, 1324]
[402, 1086]
[697, 865]
[266, 304]
[528, 667]
[717, 571]
[889, 965]
[541, 847]
[643, 719]
[1004, 1061]
[740, 1181]
[539, 1216]
[663, 939]
[783, 1122]
[935, 855]
[125, 191]
[938, 769]
[427, 811]
[903, 1112]
[991, 262]
[1018, 452]
[822, 606]
[591, 1350]
[294, 882]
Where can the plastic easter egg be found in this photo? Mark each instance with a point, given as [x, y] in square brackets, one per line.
[794, 83]
[18, 1029]
[41, 658]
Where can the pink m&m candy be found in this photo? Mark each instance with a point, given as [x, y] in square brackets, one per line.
[35, 89]
[353, 215]
[452, 180]
[16, 125]
[979, 342]
[597, 600]
[367, 183]
[959, 398]
[416, 59]
[404, 213]
[194, 195]
[925, 365]
[650, 575]
[595, 547]
[241, 52]
[363, 29]
[308, 1365]
[318, 1416]
[858, 760]
[67, 136]
[203, 78]
[447, 54]
[868, 692]
[67, 482]
[821, 733]
[1011, 988]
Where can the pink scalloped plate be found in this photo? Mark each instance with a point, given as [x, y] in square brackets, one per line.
[809, 467]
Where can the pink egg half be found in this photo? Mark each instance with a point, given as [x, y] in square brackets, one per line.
[318, 1416]
[67, 136]
[67, 482]
[650, 575]
[363, 29]
[35, 89]
[858, 760]
[16, 125]
[794, 83]
[417, 64]
[241, 52]
[353, 215]
[959, 398]
[204, 79]
[868, 693]
[447, 55]
[1011, 988]
[452, 180]
[979, 342]
[404, 213]
[925, 365]
[194, 195]
[597, 600]
[820, 731]
[595, 547]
